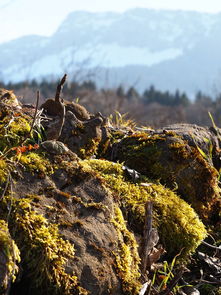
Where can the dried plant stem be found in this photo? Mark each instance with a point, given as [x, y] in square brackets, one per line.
[211, 246]
[146, 235]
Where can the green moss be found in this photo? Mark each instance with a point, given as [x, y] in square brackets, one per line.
[171, 160]
[144, 151]
[9, 249]
[90, 149]
[178, 225]
[44, 252]
[3, 171]
[126, 255]
[12, 129]
[19, 126]
[35, 162]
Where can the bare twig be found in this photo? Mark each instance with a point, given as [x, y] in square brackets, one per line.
[36, 109]
[33, 121]
[62, 119]
[146, 235]
[211, 246]
[9, 206]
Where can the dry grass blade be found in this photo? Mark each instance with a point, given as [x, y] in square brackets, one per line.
[174, 281]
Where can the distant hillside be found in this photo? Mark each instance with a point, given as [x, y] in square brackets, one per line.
[170, 49]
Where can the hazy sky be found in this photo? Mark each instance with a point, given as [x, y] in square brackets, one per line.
[22, 17]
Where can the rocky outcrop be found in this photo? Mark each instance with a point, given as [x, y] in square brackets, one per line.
[77, 222]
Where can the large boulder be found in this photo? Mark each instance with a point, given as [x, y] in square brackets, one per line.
[181, 157]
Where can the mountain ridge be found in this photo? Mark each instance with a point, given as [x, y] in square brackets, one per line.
[154, 43]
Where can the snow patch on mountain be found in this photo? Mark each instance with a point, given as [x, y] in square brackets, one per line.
[119, 56]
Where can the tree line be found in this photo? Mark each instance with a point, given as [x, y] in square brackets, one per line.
[152, 107]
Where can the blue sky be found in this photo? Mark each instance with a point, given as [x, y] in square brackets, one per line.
[23, 17]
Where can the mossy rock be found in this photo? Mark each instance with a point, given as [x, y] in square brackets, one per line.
[178, 225]
[171, 160]
[9, 258]
[68, 238]
[12, 129]
[86, 232]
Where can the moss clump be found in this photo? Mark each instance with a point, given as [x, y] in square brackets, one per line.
[178, 225]
[12, 129]
[90, 149]
[43, 251]
[19, 126]
[11, 254]
[126, 255]
[35, 162]
[172, 160]
[3, 171]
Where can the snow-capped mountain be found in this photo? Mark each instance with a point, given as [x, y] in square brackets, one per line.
[170, 49]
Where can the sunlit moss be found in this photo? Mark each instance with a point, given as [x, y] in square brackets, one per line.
[3, 171]
[9, 249]
[44, 252]
[12, 130]
[126, 255]
[89, 149]
[170, 159]
[178, 224]
[35, 162]
[19, 126]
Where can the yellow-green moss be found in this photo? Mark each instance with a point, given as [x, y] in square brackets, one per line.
[12, 255]
[3, 171]
[89, 149]
[172, 160]
[126, 255]
[12, 130]
[178, 224]
[44, 252]
[19, 126]
[35, 162]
